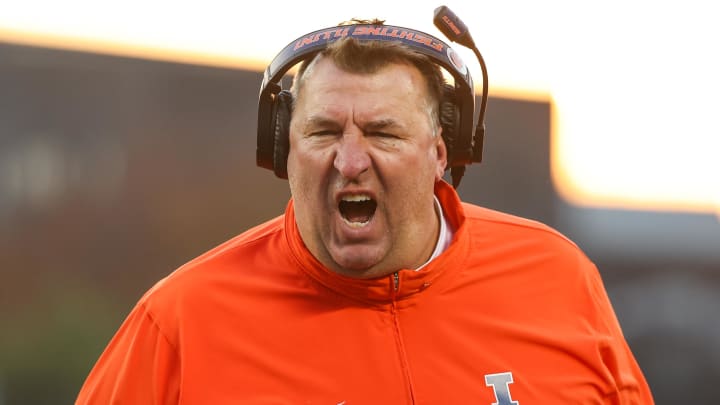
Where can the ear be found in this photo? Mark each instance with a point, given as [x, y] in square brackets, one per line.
[441, 155]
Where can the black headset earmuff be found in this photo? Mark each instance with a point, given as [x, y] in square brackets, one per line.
[281, 114]
[457, 106]
[449, 121]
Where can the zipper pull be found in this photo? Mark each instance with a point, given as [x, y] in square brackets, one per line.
[396, 280]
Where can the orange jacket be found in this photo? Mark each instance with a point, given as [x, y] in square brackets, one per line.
[511, 313]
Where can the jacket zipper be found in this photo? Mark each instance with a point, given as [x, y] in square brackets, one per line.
[399, 341]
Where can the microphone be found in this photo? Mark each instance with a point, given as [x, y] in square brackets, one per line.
[453, 27]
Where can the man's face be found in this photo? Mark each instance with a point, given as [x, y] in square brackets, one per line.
[362, 166]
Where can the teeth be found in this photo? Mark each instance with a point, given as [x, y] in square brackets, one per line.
[356, 197]
[356, 224]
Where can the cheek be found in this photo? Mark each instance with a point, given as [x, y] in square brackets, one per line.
[296, 176]
[298, 160]
[306, 174]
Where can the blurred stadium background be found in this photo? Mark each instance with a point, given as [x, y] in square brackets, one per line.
[116, 168]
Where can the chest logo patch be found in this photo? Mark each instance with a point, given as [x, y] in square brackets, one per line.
[500, 383]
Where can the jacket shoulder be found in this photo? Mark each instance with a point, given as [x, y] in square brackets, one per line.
[236, 256]
[486, 218]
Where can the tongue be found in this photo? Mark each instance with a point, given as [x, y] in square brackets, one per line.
[357, 211]
[357, 218]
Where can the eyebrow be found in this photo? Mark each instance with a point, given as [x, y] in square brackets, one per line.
[319, 121]
[382, 124]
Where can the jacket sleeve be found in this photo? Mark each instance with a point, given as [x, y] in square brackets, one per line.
[629, 386]
[139, 366]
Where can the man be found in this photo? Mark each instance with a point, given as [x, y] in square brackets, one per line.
[377, 285]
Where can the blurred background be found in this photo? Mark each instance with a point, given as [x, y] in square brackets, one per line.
[127, 147]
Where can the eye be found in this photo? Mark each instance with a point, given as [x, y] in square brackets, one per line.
[322, 132]
[381, 134]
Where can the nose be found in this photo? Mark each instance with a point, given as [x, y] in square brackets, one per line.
[352, 158]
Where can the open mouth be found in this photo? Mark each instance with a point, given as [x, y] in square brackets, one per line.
[357, 210]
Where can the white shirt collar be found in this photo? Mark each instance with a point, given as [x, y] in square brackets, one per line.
[444, 237]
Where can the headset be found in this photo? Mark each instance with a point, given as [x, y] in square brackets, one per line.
[464, 140]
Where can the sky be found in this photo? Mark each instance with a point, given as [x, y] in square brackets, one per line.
[633, 84]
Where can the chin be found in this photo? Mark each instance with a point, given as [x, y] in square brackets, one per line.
[356, 267]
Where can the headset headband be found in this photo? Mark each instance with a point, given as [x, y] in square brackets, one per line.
[426, 44]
